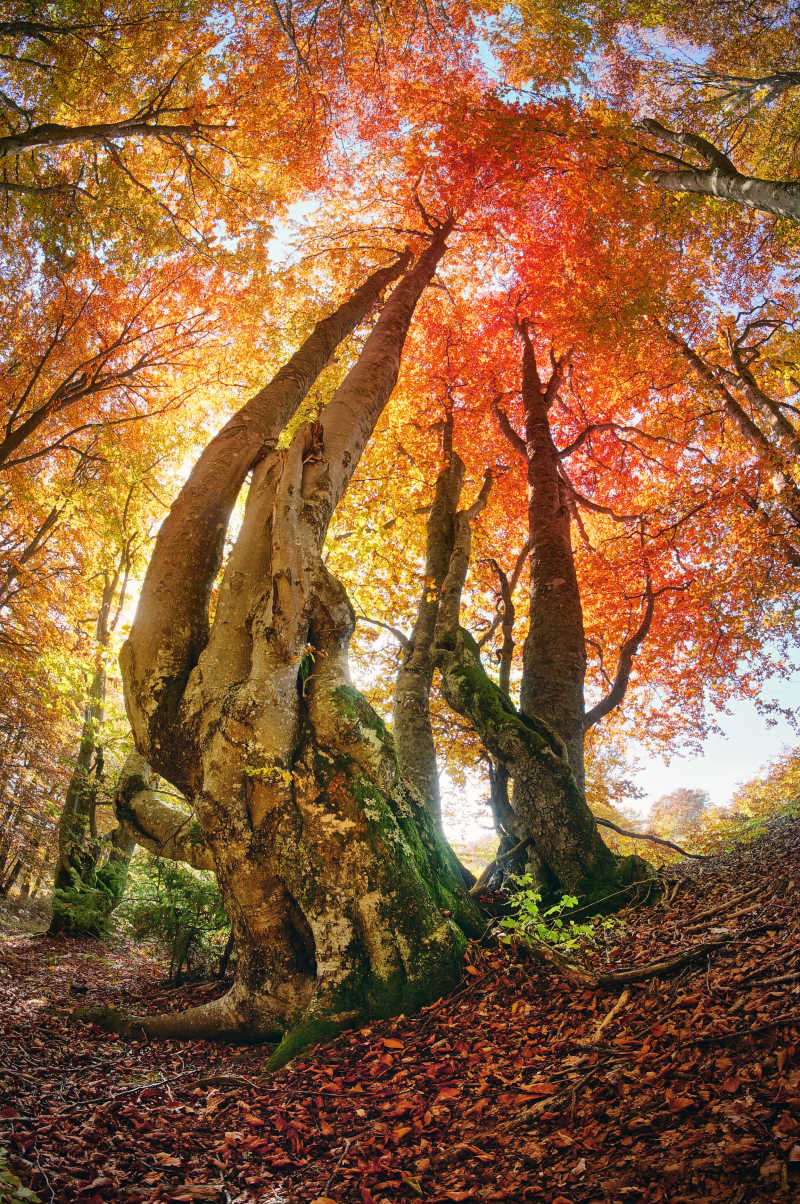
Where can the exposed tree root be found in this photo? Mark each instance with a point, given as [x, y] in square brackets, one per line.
[609, 1016]
[656, 969]
[719, 908]
[218, 1020]
[649, 836]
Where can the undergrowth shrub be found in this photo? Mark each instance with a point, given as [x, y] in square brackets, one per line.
[180, 907]
[527, 921]
[12, 1190]
[87, 903]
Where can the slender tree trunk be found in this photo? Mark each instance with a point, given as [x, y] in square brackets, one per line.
[411, 724]
[77, 853]
[10, 879]
[548, 804]
[343, 900]
[540, 747]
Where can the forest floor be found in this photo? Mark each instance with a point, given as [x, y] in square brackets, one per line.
[519, 1087]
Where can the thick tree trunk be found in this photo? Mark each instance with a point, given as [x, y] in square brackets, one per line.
[344, 902]
[171, 627]
[554, 654]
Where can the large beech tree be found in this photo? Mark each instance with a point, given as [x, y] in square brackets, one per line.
[343, 900]
[539, 745]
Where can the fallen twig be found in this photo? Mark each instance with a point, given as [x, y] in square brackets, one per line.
[609, 1016]
[720, 907]
[738, 1033]
[766, 982]
[655, 969]
[596, 904]
[224, 1080]
[348, 1141]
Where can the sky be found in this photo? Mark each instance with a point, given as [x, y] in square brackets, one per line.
[744, 746]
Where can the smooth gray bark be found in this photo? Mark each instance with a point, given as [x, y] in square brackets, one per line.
[411, 719]
[717, 177]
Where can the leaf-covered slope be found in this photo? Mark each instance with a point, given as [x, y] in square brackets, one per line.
[520, 1086]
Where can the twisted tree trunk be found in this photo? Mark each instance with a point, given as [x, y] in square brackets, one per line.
[344, 901]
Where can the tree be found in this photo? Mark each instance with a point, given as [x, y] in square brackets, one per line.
[540, 746]
[331, 871]
[710, 172]
[677, 813]
[756, 392]
[78, 848]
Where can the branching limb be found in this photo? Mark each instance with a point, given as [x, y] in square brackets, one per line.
[650, 837]
[627, 656]
[171, 625]
[717, 177]
[507, 430]
[152, 824]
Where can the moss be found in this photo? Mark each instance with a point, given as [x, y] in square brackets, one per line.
[354, 706]
[111, 1019]
[413, 880]
[308, 1031]
[491, 704]
[195, 833]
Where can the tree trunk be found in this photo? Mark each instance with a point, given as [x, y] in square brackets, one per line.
[554, 654]
[10, 879]
[548, 804]
[717, 177]
[77, 851]
[411, 720]
[540, 746]
[344, 902]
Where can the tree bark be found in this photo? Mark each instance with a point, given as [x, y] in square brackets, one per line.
[78, 848]
[548, 803]
[344, 902]
[49, 135]
[717, 177]
[411, 719]
[554, 654]
[171, 627]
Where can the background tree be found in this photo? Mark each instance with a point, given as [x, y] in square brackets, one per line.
[679, 813]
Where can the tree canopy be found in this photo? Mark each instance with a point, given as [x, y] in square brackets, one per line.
[525, 271]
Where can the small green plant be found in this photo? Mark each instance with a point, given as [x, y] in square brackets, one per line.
[181, 908]
[12, 1190]
[527, 921]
